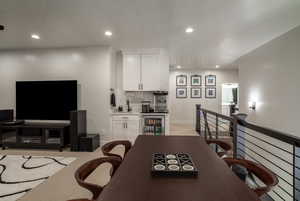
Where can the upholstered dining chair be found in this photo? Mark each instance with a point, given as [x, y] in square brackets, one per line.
[226, 147]
[108, 147]
[87, 168]
[265, 175]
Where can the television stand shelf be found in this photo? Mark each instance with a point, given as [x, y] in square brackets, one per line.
[35, 135]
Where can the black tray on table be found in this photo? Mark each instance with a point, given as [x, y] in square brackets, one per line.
[173, 165]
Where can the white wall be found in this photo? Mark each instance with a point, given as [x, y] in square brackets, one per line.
[90, 66]
[270, 75]
[183, 110]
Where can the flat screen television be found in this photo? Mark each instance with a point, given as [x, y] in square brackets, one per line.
[45, 100]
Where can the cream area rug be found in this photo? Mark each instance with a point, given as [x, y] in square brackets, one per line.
[20, 174]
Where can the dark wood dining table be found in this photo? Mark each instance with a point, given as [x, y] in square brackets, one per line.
[215, 181]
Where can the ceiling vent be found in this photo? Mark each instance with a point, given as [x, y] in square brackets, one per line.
[1, 27]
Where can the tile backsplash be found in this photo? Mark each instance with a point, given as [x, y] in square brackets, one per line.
[135, 98]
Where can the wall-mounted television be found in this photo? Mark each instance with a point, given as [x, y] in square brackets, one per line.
[45, 100]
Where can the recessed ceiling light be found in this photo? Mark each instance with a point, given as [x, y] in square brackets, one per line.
[178, 67]
[108, 33]
[217, 66]
[189, 30]
[35, 36]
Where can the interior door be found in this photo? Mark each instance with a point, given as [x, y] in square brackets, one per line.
[151, 73]
[131, 72]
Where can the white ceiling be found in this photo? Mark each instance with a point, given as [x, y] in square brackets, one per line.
[224, 29]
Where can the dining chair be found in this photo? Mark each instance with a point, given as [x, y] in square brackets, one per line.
[265, 175]
[108, 147]
[87, 168]
[226, 147]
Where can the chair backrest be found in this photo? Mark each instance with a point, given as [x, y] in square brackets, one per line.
[108, 147]
[224, 145]
[261, 172]
[87, 168]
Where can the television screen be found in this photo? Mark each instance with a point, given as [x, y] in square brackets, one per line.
[45, 100]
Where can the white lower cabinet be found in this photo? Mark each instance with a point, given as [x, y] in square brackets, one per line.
[125, 127]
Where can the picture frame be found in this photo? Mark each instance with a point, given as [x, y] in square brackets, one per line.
[181, 80]
[196, 80]
[196, 93]
[181, 92]
[210, 80]
[211, 92]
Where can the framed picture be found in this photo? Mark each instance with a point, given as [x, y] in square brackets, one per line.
[196, 80]
[196, 93]
[181, 93]
[210, 80]
[181, 80]
[210, 92]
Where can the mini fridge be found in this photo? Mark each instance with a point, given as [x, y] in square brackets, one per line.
[154, 125]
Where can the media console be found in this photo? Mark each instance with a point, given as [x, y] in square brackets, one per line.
[35, 135]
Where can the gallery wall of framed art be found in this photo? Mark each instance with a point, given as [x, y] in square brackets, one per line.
[195, 84]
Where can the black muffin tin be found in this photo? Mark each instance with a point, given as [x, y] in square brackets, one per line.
[183, 160]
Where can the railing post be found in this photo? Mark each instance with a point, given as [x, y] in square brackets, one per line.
[296, 172]
[234, 133]
[217, 126]
[206, 126]
[198, 118]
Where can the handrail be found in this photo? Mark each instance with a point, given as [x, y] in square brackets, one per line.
[290, 139]
[249, 143]
[218, 114]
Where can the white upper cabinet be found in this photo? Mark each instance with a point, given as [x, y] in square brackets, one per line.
[145, 71]
[131, 72]
[150, 70]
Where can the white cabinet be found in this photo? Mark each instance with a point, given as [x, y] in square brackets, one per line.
[150, 71]
[145, 71]
[125, 127]
[131, 72]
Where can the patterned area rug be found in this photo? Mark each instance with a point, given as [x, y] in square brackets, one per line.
[20, 174]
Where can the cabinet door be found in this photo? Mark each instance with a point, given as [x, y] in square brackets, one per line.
[131, 72]
[150, 72]
[133, 129]
[119, 130]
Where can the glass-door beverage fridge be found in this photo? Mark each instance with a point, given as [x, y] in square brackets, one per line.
[154, 125]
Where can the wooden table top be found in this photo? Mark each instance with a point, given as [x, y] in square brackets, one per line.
[215, 182]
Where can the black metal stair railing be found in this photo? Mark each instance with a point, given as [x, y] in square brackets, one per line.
[279, 152]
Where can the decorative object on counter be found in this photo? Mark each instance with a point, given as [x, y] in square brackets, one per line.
[128, 106]
[196, 93]
[120, 108]
[146, 106]
[210, 92]
[210, 80]
[173, 165]
[181, 92]
[181, 80]
[196, 80]
[112, 98]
